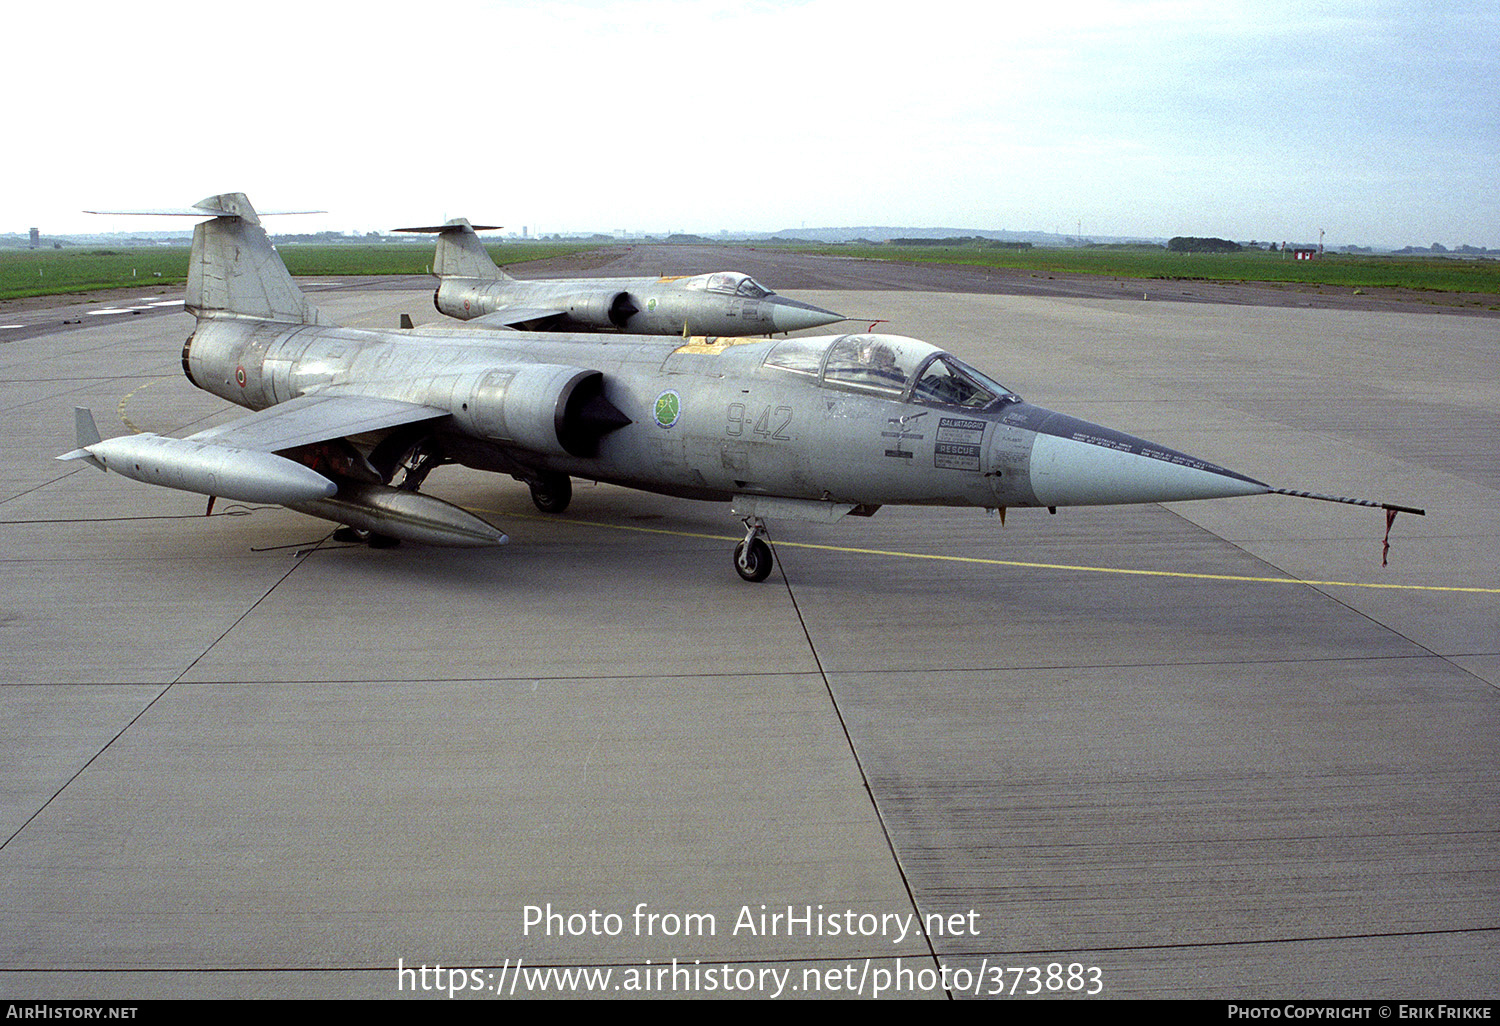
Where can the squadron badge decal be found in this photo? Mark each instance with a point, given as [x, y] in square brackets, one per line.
[668, 408]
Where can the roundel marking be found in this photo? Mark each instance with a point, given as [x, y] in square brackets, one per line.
[239, 375]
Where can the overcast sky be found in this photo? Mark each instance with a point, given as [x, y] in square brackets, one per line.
[1377, 120]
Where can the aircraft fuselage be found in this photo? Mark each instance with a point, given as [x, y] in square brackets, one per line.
[636, 306]
[708, 418]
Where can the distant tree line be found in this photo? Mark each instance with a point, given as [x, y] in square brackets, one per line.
[963, 240]
[1194, 244]
[342, 239]
[1438, 247]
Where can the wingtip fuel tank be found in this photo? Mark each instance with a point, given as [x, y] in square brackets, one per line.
[227, 472]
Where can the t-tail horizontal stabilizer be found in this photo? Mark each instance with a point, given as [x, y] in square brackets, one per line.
[460, 253]
[227, 204]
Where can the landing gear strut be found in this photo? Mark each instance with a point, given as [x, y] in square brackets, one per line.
[752, 557]
[414, 464]
[418, 463]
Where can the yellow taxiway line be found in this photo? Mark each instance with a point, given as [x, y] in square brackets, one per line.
[982, 561]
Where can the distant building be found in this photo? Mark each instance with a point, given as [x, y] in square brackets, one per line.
[36, 237]
[1305, 254]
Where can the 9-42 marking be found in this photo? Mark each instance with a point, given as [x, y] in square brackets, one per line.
[772, 422]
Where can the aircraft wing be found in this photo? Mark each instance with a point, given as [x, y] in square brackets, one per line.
[240, 461]
[513, 317]
[318, 417]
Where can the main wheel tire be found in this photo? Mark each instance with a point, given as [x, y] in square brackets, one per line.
[552, 493]
[360, 536]
[754, 564]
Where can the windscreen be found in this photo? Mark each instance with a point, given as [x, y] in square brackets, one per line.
[944, 381]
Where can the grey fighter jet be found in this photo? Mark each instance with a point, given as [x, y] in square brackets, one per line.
[725, 303]
[810, 428]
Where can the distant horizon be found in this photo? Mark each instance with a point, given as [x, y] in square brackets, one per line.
[1064, 240]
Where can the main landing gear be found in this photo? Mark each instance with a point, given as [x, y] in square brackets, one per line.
[359, 536]
[551, 493]
[414, 465]
[752, 557]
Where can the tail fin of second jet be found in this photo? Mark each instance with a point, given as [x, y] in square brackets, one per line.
[460, 253]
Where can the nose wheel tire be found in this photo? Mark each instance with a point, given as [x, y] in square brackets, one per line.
[752, 560]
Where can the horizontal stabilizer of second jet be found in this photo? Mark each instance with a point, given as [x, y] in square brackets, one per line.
[451, 226]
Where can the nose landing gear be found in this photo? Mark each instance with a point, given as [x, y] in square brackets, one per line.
[752, 557]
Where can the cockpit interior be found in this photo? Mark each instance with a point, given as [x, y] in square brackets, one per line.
[890, 366]
[728, 283]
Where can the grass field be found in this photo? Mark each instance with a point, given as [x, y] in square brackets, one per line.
[1350, 270]
[47, 272]
[52, 272]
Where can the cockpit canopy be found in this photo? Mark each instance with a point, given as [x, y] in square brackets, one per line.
[728, 283]
[890, 366]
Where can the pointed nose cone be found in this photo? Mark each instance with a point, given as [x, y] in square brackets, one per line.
[791, 315]
[1075, 463]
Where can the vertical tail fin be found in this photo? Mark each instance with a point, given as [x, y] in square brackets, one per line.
[460, 253]
[235, 270]
[83, 424]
